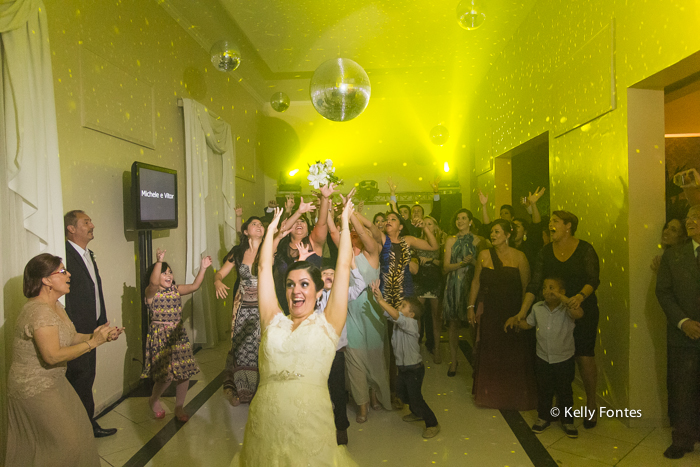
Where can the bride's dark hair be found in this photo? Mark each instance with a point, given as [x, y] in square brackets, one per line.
[313, 271]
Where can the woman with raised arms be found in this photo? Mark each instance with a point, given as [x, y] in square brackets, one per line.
[291, 419]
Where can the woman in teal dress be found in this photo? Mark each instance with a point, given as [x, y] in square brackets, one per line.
[458, 265]
[365, 355]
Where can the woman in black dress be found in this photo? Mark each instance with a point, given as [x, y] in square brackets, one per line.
[504, 372]
[576, 262]
[429, 288]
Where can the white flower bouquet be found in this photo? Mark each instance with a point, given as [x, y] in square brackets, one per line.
[322, 173]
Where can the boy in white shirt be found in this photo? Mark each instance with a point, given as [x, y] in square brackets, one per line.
[405, 341]
[554, 365]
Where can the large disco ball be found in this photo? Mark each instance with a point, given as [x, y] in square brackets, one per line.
[340, 89]
[279, 101]
[225, 55]
[471, 14]
[439, 135]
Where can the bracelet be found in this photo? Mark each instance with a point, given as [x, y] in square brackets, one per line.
[470, 306]
[89, 347]
[393, 198]
[581, 294]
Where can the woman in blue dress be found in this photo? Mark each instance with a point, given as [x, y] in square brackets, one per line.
[458, 265]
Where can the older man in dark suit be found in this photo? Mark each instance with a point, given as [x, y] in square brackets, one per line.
[85, 306]
[678, 292]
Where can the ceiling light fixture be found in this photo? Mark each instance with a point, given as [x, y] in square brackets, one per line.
[682, 135]
[279, 101]
[225, 55]
[439, 135]
[471, 14]
[340, 89]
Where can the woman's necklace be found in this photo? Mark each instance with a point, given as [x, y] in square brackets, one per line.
[563, 248]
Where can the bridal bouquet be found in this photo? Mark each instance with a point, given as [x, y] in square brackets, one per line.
[322, 173]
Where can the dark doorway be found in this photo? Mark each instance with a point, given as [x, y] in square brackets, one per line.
[682, 122]
[530, 170]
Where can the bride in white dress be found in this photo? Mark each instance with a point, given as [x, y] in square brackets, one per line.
[290, 422]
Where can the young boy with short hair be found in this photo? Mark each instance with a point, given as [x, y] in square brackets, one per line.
[406, 346]
[336, 377]
[554, 365]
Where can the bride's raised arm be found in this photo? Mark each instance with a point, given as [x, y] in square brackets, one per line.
[267, 298]
[337, 309]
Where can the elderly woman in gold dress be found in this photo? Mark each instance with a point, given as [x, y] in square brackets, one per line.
[48, 424]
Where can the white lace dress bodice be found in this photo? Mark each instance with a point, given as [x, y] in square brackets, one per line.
[290, 422]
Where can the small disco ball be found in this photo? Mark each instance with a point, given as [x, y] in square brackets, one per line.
[279, 101]
[339, 89]
[470, 14]
[439, 135]
[225, 55]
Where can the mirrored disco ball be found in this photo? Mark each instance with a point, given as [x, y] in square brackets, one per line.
[471, 14]
[339, 89]
[225, 55]
[439, 135]
[279, 101]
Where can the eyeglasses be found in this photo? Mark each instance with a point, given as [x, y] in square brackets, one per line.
[692, 219]
[60, 271]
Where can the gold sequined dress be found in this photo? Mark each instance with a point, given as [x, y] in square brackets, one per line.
[168, 350]
[47, 423]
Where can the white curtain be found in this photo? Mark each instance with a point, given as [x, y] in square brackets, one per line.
[205, 132]
[31, 202]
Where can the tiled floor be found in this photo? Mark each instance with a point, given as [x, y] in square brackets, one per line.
[469, 436]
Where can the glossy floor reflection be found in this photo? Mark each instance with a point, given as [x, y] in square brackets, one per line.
[469, 436]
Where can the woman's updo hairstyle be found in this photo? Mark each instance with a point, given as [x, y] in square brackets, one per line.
[313, 271]
[404, 223]
[36, 269]
[505, 225]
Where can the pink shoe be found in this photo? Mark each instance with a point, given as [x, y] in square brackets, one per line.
[160, 414]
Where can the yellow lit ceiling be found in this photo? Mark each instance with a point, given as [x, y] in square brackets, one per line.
[417, 43]
[423, 68]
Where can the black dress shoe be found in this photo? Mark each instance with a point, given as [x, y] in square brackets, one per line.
[588, 424]
[100, 432]
[341, 437]
[675, 452]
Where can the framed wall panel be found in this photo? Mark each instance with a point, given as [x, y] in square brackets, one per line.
[584, 86]
[114, 102]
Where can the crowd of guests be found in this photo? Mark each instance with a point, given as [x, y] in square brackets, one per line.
[366, 292]
[486, 274]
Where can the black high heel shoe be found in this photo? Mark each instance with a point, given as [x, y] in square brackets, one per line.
[451, 373]
[588, 424]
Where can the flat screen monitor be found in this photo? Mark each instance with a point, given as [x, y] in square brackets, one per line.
[154, 196]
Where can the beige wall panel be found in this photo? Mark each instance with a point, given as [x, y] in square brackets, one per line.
[114, 102]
